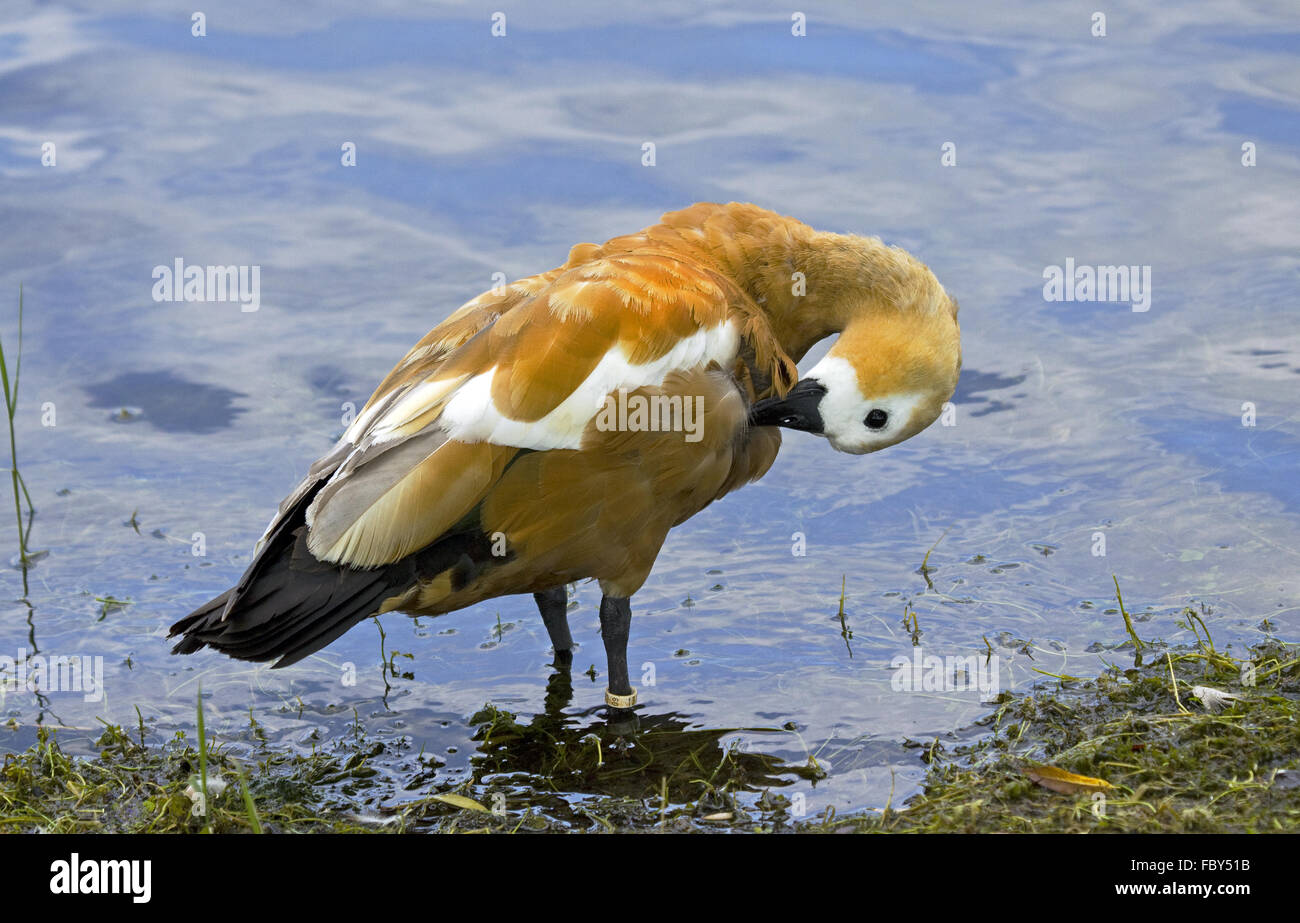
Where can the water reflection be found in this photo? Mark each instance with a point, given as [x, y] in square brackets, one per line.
[973, 386]
[641, 757]
[167, 401]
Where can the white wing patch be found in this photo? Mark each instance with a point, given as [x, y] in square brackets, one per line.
[470, 415]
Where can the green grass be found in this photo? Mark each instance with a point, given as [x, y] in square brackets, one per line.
[1175, 766]
[1168, 762]
[129, 788]
[20, 492]
[665, 777]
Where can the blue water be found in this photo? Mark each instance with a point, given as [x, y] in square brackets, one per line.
[478, 155]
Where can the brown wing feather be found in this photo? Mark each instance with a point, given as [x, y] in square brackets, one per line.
[542, 346]
[395, 492]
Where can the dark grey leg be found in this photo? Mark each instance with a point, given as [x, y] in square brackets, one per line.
[554, 606]
[615, 621]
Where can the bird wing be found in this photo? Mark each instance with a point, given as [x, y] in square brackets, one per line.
[524, 369]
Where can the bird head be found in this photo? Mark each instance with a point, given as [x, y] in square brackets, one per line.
[894, 364]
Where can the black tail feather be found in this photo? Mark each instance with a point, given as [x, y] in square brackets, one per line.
[189, 643]
[294, 604]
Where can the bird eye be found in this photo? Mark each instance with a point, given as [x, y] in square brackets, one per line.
[877, 419]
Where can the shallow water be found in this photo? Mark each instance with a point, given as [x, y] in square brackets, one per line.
[477, 155]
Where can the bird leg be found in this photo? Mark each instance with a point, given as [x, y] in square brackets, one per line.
[554, 606]
[615, 620]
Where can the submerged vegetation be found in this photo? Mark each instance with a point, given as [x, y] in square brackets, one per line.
[1186, 740]
[1190, 740]
[662, 777]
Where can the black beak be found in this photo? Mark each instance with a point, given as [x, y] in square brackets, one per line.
[797, 410]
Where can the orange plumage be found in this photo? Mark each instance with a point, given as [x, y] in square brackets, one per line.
[483, 464]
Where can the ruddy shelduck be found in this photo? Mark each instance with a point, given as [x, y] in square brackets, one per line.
[555, 429]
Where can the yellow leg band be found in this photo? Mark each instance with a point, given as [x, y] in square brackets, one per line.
[620, 701]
